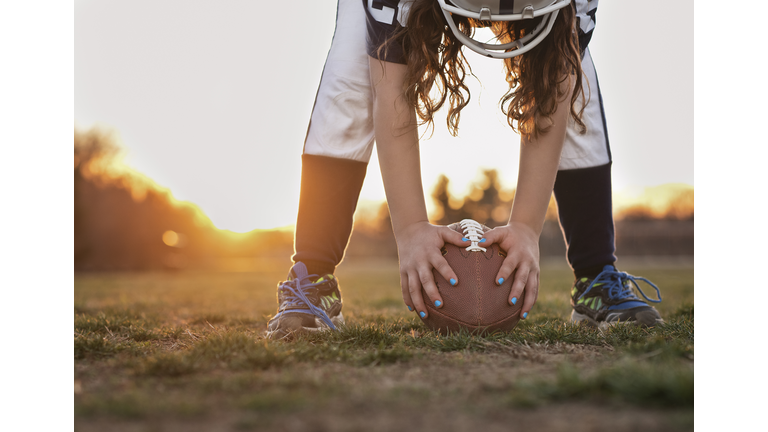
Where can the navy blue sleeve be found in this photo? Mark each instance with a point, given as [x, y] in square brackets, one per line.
[382, 21]
[585, 21]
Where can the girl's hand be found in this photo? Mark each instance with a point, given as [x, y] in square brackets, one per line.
[418, 247]
[522, 246]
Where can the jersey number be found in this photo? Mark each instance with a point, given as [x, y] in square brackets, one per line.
[381, 13]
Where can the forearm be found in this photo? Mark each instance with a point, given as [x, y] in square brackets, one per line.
[401, 174]
[397, 146]
[539, 160]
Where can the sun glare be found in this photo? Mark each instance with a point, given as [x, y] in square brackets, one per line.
[171, 238]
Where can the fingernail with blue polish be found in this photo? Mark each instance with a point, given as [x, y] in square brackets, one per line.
[422, 314]
[482, 241]
[410, 308]
[525, 315]
[438, 303]
[514, 300]
[501, 281]
[453, 281]
[464, 239]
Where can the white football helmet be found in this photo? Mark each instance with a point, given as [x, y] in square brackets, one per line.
[504, 10]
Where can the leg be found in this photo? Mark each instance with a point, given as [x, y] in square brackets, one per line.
[583, 186]
[329, 191]
[337, 148]
[601, 295]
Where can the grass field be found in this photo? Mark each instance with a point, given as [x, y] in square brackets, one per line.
[184, 351]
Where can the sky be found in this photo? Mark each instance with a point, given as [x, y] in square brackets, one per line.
[212, 100]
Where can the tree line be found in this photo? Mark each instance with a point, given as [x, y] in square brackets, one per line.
[124, 221]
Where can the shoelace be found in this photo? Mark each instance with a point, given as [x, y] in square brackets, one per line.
[296, 290]
[615, 281]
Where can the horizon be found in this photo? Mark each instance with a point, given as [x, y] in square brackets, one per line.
[108, 167]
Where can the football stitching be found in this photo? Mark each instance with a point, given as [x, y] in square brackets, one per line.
[479, 291]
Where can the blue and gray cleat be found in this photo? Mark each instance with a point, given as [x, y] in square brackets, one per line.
[609, 299]
[307, 303]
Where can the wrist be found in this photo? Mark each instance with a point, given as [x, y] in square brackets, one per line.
[529, 214]
[404, 228]
[532, 229]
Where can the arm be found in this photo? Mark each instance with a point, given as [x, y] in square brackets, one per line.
[397, 144]
[539, 160]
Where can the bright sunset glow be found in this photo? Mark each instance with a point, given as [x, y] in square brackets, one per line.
[100, 159]
[216, 112]
[657, 200]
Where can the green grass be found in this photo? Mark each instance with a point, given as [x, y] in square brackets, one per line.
[662, 384]
[175, 348]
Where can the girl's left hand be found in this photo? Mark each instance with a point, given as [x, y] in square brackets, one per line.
[522, 246]
[418, 250]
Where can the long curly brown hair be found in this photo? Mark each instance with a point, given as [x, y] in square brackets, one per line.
[435, 61]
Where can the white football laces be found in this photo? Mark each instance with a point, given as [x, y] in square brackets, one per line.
[474, 232]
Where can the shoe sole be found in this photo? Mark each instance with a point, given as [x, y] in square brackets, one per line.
[320, 326]
[578, 318]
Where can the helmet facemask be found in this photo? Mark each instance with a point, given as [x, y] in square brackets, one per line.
[503, 10]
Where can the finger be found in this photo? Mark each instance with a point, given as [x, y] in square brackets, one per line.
[414, 289]
[442, 267]
[531, 294]
[405, 291]
[496, 235]
[450, 236]
[428, 283]
[492, 236]
[521, 279]
[507, 267]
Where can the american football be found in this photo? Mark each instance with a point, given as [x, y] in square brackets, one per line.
[476, 303]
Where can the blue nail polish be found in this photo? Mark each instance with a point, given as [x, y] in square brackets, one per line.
[514, 300]
[464, 239]
[438, 303]
[422, 314]
[410, 308]
[453, 281]
[482, 241]
[525, 315]
[501, 281]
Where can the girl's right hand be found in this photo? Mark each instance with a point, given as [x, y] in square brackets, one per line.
[521, 243]
[418, 248]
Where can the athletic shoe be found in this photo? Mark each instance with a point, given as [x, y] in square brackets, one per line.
[609, 299]
[307, 303]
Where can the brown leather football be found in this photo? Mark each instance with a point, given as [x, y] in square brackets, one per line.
[476, 303]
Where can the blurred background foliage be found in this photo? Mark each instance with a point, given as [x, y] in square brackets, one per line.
[124, 221]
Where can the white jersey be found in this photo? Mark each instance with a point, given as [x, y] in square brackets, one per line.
[341, 125]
